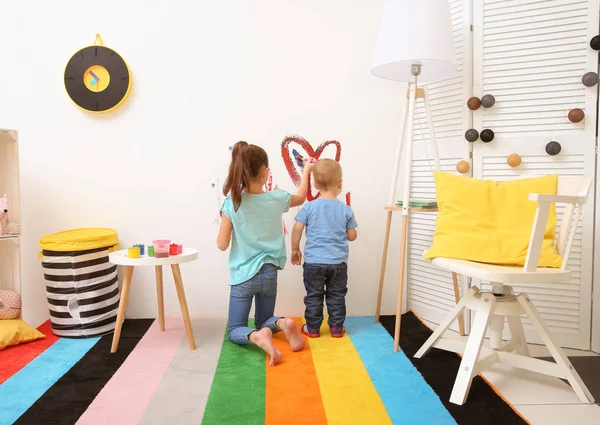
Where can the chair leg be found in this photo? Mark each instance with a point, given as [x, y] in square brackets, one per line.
[183, 304]
[448, 320]
[122, 307]
[160, 297]
[555, 350]
[386, 242]
[461, 317]
[518, 334]
[466, 371]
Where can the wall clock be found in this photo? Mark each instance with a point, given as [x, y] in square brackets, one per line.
[97, 78]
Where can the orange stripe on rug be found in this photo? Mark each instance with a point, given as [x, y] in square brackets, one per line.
[293, 395]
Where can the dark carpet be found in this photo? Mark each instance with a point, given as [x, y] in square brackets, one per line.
[439, 368]
[70, 396]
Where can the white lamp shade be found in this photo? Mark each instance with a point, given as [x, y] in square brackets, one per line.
[415, 32]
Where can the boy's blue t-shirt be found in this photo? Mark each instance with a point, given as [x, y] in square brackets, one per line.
[326, 224]
[257, 236]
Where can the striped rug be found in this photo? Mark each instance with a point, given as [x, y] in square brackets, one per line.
[154, 378]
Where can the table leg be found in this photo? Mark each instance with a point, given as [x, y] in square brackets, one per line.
[183, 303]
[122, 307]
[160, 297]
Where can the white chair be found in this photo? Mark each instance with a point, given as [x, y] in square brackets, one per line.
[492, 307]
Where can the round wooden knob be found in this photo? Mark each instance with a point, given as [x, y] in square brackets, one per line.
[576, 115]
[595, 42]
[488, 101]
[553, 148]
[589, 79]
[487, 135]
[514, 160]
[463, 167]
[472, 135]
[473, 103]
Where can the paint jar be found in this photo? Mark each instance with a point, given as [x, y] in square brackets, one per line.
[150, 250]
[141, 247]
[161, 248]
[133, 252]
[179, 249]
[173, 249]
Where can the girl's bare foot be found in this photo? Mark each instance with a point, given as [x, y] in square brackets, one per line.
[293, 335]
[264, 339]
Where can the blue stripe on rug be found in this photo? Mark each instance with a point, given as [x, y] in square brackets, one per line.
[20, 391]
[406, 396]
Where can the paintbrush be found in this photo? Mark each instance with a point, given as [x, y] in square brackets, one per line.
[300, 160]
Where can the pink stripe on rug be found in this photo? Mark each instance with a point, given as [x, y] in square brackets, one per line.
[126, 396]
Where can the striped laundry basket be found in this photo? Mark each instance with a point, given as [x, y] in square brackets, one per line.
[82, 287]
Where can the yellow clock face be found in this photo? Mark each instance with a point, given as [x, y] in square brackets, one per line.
[96, 78]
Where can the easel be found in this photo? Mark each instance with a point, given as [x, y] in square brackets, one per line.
[406, 134]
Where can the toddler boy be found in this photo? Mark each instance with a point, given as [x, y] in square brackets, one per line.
[330, 224]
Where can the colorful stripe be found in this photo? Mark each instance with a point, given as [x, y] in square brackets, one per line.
[393, 374]
[349, 395]
[189, 376]
[155, 379]
[21, 390]
[126, 396]
[82, 383]
[237, 395]
[13, 359]
[293, 395]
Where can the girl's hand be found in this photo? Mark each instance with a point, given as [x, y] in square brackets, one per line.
[309, 165]
[296, 257]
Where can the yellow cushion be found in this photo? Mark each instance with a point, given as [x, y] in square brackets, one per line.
[491, 222]
[13, 332]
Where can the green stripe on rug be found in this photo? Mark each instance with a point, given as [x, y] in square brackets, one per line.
[237, 395]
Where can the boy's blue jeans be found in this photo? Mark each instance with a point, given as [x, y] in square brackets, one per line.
[262, 287]
[327, 282]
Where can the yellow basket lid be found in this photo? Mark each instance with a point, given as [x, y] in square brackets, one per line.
[79, 240]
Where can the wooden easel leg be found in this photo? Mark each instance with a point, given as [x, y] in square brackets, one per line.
[461, 318]
[388, 225]
[122, 307]
[160, 297]
[400, 282]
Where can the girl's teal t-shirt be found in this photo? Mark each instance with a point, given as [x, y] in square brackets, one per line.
[257, 236]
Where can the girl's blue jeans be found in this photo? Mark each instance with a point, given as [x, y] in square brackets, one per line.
[263, 288]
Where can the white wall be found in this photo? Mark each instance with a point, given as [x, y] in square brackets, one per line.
[206, 74]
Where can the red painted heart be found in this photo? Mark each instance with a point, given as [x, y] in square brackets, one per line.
[289, 160]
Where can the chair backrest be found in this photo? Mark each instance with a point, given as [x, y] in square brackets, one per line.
[569, 186]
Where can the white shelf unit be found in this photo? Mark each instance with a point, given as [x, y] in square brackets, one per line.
[10, 261]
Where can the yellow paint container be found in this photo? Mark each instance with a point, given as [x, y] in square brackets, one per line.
[133, 252]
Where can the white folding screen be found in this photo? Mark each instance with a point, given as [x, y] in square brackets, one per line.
[430, 290]
[530, 55]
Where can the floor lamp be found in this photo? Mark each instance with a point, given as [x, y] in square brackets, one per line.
[415, 42]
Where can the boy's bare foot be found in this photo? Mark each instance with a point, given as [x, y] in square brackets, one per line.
[293, 335]
[264, 339]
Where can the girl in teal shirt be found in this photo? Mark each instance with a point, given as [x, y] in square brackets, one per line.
[251, 221]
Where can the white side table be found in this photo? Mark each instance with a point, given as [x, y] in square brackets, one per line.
[120, 258]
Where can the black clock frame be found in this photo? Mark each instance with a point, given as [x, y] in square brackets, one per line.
[119, 78]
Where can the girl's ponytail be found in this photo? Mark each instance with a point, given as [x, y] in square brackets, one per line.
[246, 162]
